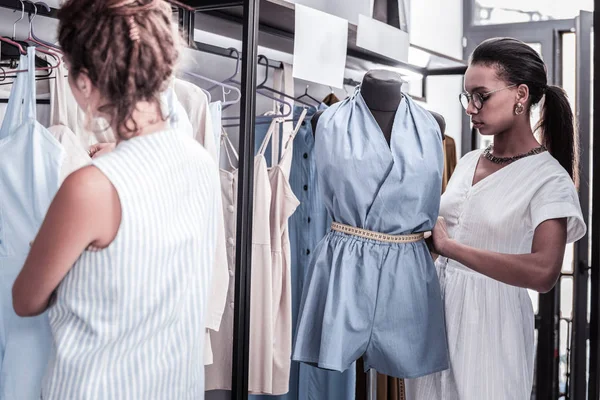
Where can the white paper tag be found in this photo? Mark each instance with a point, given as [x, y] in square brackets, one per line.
[382, 39]
[320, 46]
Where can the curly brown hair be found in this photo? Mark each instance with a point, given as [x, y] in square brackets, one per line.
[128, 48]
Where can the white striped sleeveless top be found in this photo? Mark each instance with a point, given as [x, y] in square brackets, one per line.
[128, 322]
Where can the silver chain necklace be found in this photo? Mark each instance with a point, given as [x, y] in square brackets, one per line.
[487, 153]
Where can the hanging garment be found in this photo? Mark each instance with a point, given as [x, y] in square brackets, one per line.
[450, 161]
[194, 102]
[65, 111]
[308, 225]
[218, 374]
[342, 316]
[128, 322]
[283, 205]
[216, 113]
[30, 159]
[75, 155]
[490, 324]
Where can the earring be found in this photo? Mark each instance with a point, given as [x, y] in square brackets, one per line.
[519, 109]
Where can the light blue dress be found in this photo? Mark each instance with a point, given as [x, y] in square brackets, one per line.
[30, 159]
[363, 297]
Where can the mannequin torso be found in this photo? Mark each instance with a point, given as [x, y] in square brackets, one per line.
[382, 91]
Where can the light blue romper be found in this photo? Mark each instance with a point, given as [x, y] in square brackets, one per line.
[363, 297]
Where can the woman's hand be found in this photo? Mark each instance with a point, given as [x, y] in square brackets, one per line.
[99, 149]
[439, 238]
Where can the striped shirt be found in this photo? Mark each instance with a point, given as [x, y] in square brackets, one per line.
[128, 322]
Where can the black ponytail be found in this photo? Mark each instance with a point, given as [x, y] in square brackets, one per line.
[559, 134]
[517, 63]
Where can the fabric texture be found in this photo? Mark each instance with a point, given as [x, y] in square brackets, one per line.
[129, 322]
[30, 159]
[342, 314]
[490, 324]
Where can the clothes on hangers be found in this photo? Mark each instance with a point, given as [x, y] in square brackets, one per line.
[342, 316]
[30, 159]
[179, 101]
[450, 160]
[76, 155]
[218, 374]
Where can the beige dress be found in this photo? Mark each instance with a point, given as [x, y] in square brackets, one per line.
[218, 375]
[283, 205]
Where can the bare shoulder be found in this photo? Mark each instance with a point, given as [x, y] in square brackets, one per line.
[88, 183]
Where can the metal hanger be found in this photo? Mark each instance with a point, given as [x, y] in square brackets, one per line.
[32, 37]
[307, 95]
[283, 103]
[18, 45]
[238, 57]
[262, 86]
[217, 83]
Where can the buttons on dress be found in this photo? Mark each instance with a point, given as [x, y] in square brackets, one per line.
[231, 209]
[231, 241]
[232, 304]
[231, 273]
[305, 187]
[309, 220]
[305, 155]
[307, 251]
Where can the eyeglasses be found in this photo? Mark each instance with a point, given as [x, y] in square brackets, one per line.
[477, 98]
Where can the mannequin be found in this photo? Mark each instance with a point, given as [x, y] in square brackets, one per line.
[382, 91]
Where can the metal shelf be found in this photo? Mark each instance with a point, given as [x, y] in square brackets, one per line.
[276, 31]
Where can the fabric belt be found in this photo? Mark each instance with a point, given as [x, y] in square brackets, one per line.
[382, 237]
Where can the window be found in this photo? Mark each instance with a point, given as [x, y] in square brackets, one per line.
[489, 12]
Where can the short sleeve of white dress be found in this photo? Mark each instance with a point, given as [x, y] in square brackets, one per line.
[555, 197]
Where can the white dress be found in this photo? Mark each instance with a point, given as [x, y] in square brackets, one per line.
[490, 325]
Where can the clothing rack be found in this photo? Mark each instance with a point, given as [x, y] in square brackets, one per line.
[38, 101]
[277, 23]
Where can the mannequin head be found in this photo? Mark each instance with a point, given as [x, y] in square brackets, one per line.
[510, 77]
[120, 55]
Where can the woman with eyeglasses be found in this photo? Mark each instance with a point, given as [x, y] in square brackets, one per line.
[506, 216]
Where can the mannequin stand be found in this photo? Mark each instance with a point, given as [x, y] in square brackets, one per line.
[372, 384]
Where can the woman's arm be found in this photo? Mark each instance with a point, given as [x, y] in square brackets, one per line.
[86, 210]
[537, 270]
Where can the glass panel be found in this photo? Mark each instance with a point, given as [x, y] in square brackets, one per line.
[563, 354]
[489, 12]
[566, 297]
